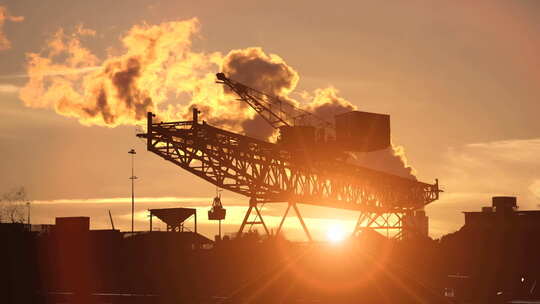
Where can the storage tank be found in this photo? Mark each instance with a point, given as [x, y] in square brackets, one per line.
[363, 131]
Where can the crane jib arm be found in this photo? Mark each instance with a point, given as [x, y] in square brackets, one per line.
[275, 110]
[266, 172]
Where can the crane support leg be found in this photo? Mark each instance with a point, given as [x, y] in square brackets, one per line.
[283, 219]
[381, 222]
[246, 217]
[302, 222]
[262, 221]
[299, 218]
[258, 220]
[358, 227]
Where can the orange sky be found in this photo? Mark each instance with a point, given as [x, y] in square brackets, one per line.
[459, 80]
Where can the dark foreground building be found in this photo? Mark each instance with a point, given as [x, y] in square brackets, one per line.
[78, 265]
[493, 258]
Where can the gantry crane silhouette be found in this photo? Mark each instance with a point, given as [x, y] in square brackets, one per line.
[307, 165]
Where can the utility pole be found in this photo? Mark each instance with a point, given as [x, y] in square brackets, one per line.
[133, 177]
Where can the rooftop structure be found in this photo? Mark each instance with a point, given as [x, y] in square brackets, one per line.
[174, 217]
[504, 209]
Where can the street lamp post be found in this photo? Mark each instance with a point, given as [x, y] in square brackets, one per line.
[132, 177]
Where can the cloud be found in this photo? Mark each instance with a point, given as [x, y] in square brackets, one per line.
[473, 173]
[157, 70]
[117, 92]
[535, 189]
[6, 88]
[326, 103]
[5, 16]
[267, 73]
[154, 67]
[391, 160]
[264, 72]
[513, 163]
[271, 74]
[146, 200]
[53, 73]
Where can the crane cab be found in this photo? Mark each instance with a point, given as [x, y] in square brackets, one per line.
[297, 136]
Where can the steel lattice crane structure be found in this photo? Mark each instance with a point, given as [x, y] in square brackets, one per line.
[279, 173]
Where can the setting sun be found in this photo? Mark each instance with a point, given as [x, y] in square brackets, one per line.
[335, 234]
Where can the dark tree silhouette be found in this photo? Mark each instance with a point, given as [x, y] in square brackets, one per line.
[12, 205]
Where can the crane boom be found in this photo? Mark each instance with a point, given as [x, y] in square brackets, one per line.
[277, 111]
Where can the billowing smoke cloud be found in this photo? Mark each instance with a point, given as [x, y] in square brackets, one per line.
[267, 73]
[390, 160]
[157, 70]
[4, 16]
[261, 71]
[121, 89]
[326, 103]
[270, 74]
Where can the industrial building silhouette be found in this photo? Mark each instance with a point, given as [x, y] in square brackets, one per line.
[491, 259]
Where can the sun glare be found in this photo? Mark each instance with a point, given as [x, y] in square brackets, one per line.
[335, 234]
